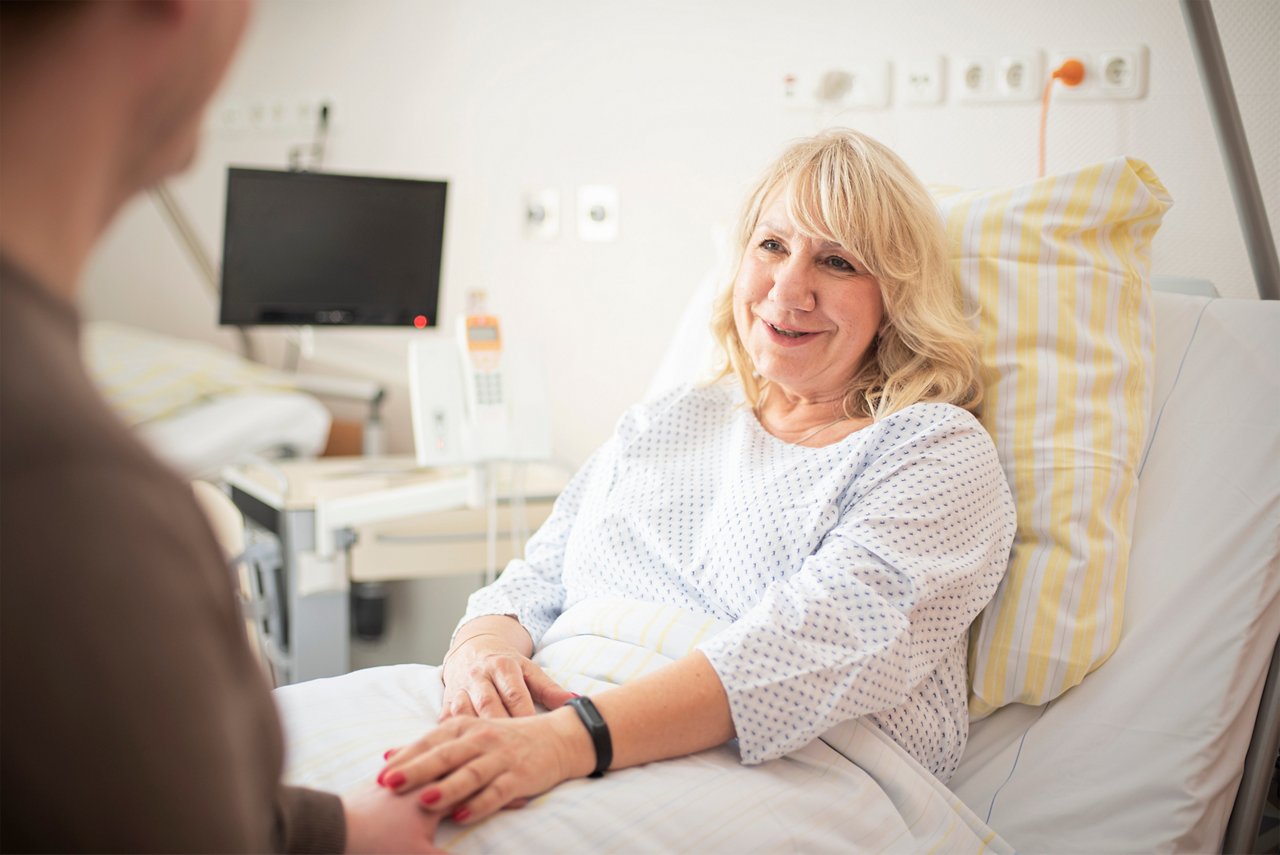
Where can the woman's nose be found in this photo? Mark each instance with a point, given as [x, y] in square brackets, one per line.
[792, 286]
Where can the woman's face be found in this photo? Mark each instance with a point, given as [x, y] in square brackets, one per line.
[805, 310]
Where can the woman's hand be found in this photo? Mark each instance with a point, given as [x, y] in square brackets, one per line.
[473, 767]
[378, 821]
[487, 676]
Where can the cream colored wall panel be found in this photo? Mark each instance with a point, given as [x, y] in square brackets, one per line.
[451, 543]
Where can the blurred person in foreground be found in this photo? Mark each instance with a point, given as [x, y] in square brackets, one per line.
[134, 716]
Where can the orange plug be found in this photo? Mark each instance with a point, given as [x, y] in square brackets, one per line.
[1070, 72]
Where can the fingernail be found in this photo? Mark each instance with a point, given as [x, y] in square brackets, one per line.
[387, 756]
[575, 694]
[429, 797]
[461, 814]
[395, 779]
[382, 778]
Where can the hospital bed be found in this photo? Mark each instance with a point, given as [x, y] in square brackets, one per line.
[1147, 754]
[198, 407]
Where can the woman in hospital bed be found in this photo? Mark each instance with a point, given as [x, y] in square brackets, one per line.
[830, 501]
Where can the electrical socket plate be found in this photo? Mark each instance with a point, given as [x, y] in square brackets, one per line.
[229, 115]
[598, 212]
[1109, 75]
[923, 80]
[1019, 77]
[542, 214]
[975, 79]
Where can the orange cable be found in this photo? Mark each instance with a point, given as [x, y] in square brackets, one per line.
[1044, 121]
[1071, 73]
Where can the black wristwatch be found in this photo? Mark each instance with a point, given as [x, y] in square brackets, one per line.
[594, 723]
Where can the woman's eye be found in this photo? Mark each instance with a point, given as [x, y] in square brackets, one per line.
[841, 264]
[771, 245]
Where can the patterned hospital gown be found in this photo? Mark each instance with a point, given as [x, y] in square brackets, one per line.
[850, 573]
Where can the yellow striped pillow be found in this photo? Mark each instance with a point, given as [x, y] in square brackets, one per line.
[1059, 269]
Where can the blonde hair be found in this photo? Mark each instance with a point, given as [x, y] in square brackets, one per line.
[843, 186]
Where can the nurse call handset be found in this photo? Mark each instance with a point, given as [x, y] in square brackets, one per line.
[480, 396]
[480, 343]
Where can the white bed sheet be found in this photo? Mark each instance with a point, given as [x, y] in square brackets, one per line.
[854, 790]
[203, 438]
[1146, 754]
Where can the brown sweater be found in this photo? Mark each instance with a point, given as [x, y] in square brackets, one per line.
[133, 716]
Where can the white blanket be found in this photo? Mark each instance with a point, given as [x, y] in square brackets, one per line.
[853, 790]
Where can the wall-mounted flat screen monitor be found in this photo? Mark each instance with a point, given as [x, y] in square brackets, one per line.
[305, 248]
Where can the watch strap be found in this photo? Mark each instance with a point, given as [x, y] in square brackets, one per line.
[600, 738]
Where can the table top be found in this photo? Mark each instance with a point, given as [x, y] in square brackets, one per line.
[298, 484]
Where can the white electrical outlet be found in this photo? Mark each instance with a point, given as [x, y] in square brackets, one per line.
[1123, 73]
[230, 115]
[306, 111]
[278, 115]
[1019, 77]
[256, 111]
[542, 214]
[1109, 75]
[974, 79]
[922, 80]
[598, 212]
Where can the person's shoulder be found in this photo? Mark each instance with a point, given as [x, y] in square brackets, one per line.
[929, 448]
[934, 415]
[929, 424]
[695, 395]
[675, 407]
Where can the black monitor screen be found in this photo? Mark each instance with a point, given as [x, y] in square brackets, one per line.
[306, 248]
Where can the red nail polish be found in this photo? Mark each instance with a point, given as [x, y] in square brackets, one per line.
[429, 797]
[461, 814]
[387, 756]
[382, 778]
[395, 779]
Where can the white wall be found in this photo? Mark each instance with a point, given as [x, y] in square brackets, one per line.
[675, 104]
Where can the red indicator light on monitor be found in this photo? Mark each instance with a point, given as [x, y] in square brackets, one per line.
[420, 321]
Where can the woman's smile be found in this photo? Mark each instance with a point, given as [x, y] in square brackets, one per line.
[789, 336]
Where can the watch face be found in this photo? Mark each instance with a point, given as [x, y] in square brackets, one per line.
[588, 711]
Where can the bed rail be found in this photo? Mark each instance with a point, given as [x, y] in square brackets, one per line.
[1221, 96]
[1259, 765]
